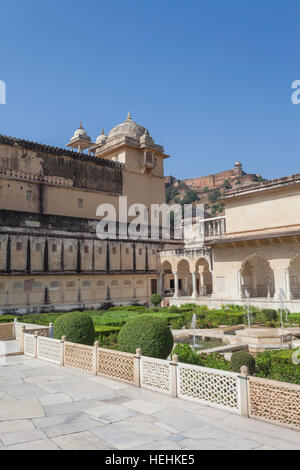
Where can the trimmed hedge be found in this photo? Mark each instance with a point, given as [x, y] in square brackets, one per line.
[8, 318]
[187, 355]
[152, 335]
[294, 318]
[77, 327]
[278, 365]
[220, 317]
[242, 358]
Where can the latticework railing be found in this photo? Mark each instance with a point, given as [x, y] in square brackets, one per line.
[79, 356]
[51, 350]
[29, 345]
[116, 364]
[276, 402]
[7, 331]
[156, 374]
[209, 386]
[31, 329]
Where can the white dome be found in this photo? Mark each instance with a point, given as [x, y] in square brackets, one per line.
[101, 138]
[80, 133]
[128, 128]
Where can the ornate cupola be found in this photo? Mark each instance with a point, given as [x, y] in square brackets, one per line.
[102, 138]
[80, 140]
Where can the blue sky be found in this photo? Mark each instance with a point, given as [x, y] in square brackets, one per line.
[210, 79]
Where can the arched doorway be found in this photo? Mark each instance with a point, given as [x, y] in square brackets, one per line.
[294, 275]
[185, 283]
[257, 278]
[203, 278]
[166, 281]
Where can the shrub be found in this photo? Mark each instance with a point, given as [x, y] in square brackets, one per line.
[77, 327]
[152, 335]
[294, 318]
[233, 308]
[220, 317]
[177, 323]
[173, 309]
[264, 316]
[187, 355]
[156, 299]
[278, 365]
[215, 361]
[126, 308]
[201, 310]
[8, 318]
[40, 318]
[242, 358]
[109, 342]
[187, 307]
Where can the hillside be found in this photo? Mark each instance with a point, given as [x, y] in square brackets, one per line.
[208, 190]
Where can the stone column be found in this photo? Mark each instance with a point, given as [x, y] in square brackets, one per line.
[239, 282]
[202, 283]
[160, 284]
[22, 339]
[137, 367]
[243, 378]
[174, 368]
[176, 285]
[288, 285]
[95, 357]
[195, 293]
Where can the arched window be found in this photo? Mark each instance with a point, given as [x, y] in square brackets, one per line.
[54, 286]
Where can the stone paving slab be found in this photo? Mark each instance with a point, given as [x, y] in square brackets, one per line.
[46, 407]
[82, 441]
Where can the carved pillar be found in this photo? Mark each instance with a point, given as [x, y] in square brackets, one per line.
[194, 278]
[62, 256]
[8, 255]
[160, 284]
[288, 285]
[202, 286]
[176, 285]
[28, 256]
[79, 257]
[239, 285]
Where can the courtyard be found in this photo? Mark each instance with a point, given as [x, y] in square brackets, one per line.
[44, 406]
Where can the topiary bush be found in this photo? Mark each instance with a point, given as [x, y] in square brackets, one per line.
[78, 327]
[156, 299]
[242, 358]
[152, 335]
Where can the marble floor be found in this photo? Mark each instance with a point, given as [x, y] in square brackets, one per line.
[45, 406]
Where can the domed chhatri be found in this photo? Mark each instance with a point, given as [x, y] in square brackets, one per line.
[101, 139]
[80, 140]
[128, 128]
[81, 133]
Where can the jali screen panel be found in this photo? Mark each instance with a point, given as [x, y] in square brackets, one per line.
[276, 402]
[209, 386]
[50, 350]
[156, 375]
[29, 345]
[6, 331]
[79, 356]
[115, 364]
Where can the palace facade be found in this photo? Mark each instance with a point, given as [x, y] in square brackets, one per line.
[50, 256]
[52, 259]
[250, 256]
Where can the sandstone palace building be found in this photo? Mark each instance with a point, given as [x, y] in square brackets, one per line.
[52, 259]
